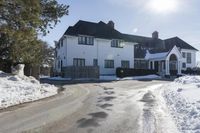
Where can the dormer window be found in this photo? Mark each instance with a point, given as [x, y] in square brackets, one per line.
[117, 43]
[86, 40]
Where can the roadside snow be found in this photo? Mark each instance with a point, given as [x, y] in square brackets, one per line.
[183, 99]
[16, 90]
[58, 78]
[156, 115]
[130, 78]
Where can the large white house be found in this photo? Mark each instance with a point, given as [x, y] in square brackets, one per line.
[100, 44]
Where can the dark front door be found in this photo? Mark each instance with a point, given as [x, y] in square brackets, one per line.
[156, 66]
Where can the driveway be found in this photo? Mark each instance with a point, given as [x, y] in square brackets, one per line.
[112, 107]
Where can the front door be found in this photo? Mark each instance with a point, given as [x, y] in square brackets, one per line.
[156, 65]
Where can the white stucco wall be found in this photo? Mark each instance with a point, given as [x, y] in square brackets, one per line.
[101, 50]
[193, 53]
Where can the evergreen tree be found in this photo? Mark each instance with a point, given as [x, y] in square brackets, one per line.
[20, 23]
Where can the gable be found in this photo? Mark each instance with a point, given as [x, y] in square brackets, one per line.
[176, 52]
[175, 41]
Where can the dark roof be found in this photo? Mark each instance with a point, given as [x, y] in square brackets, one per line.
[103, 30]
[100, 30]
[171, 42]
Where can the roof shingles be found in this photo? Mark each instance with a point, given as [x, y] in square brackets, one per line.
[103, 30]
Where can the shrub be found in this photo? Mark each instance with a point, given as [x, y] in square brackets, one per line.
[127, 72]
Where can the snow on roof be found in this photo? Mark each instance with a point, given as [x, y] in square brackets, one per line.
[155, 56]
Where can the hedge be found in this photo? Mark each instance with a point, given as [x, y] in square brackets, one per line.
[191, 72]
[127, 72]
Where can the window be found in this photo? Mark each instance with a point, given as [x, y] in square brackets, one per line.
[117, 43]
[58, 45]
[125, 64]
[109, 63]
[79, 62]
[58, 64]
[183, 54]
[184, 65]
[86, 40]
[140, 64]
[95, 62]
[61, 42]
[189, 58]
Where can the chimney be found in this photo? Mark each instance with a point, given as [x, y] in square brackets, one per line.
[111, 24]
[155, 35]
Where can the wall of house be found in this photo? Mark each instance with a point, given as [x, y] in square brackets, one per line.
[193, 60]
[101, 50]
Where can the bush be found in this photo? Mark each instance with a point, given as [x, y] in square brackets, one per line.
[127, 72]
[195, 71]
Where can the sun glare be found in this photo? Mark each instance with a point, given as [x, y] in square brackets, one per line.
[163, 6]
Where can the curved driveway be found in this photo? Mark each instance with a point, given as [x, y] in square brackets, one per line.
[114, 107]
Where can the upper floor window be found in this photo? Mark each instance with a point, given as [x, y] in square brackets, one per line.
[117, 43]
[189, 58]
[86, 40]
[183, 54]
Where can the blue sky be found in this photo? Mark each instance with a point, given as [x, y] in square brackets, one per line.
[139, 17]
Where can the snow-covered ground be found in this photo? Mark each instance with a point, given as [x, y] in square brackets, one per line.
[15, 90]
[130, 78]
[183, 99]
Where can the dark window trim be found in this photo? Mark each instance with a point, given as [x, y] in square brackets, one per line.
[85, 40]
[127, 61]
[95, 62]
[189, 59]
[118, 43]
[109, 66]
[79, 59]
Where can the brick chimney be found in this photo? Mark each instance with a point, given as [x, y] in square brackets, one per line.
[155, 35]
[111, 24]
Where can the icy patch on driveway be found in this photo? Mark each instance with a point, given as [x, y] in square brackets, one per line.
[16, 90]
[130, 78]
[183, 99]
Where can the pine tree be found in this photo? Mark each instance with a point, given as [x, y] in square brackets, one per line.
[20, 23]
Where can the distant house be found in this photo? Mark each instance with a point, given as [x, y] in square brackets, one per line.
[100, 44]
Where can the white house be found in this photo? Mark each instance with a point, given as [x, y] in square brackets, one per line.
[94, 44]
[100, 44]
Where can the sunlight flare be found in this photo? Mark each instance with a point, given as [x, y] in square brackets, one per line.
[163, 6]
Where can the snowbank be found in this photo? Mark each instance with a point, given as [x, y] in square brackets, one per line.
[130, 78]
[15, 90]
[183, 99]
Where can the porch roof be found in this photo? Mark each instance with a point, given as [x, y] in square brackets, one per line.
[156, 56]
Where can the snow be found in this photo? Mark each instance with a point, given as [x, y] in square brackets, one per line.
[130, 78]
[16, 89]
[58, 78]
[183, 99]
[156, 55]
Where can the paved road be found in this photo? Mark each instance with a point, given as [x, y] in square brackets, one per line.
[114, 107]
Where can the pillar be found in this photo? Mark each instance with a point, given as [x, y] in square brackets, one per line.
[179, 68]
[167, 67]
[153, 64]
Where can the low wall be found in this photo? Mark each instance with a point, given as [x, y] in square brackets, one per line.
[90, 72]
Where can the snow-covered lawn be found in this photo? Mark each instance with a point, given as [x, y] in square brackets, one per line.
[183, 99]
[15, 90]
[130, 78]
